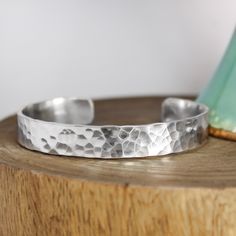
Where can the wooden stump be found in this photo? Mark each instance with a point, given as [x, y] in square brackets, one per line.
[193, 193]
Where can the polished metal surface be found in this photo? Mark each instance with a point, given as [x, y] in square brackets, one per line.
[62, 126]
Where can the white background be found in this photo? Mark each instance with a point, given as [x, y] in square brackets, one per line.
[109, 47]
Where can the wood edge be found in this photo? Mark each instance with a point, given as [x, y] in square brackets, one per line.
[8, 167]
[221, 133]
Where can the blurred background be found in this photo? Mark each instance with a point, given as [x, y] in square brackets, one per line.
[109, 48]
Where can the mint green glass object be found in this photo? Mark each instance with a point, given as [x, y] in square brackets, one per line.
[220, 94]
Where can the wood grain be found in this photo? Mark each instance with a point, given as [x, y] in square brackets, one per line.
[221, 133]
[193, 193]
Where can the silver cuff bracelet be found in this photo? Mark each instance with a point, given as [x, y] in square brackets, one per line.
[62, 126]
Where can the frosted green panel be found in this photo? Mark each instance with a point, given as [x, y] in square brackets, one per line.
[220, 94]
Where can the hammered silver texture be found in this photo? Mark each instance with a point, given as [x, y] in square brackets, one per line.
[170, 136]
